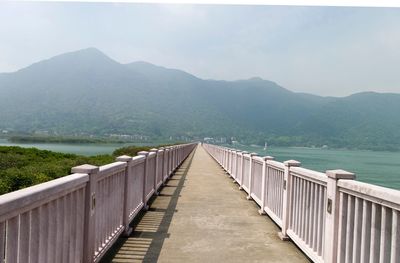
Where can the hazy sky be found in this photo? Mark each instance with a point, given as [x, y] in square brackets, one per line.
[321, 50]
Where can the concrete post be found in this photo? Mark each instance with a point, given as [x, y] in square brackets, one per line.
[90, 210]
[162, 168]
[251, 174]
[225, 158]
[287, 192]
[165, 171]
[154, 150]
[125, 218]
[234, 167]
[221, 155]
[229, 170]
[170, 162]
[175, 158]
[146, 165]
[238, 159]
[173, 152]
[228, 163]
[242, 170]
[264, 183]
[332, 213]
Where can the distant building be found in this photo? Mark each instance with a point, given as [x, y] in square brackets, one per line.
[39, 132]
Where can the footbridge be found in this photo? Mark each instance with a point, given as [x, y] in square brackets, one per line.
[197, 203]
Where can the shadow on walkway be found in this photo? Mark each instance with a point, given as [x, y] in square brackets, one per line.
[151, 227]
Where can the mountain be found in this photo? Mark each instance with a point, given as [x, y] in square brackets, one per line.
[87, 92]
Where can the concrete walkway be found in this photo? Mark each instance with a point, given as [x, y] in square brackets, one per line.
[201, 216]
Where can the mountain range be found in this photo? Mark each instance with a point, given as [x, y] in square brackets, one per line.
[87, 92]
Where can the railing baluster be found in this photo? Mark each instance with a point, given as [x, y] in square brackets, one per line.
[12, 240]
[2, 240]
[395, 249]
[25, 237]
[385, 226]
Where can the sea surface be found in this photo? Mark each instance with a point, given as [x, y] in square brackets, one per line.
[376, 167]
[88, 149]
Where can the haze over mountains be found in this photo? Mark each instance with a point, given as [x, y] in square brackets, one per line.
[86, 91]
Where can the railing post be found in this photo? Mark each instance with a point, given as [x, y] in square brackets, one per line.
[228, 163]
[162, 168]
[225, 158]
[233, 164]
[237, 154]
[174, 160]
[90, 210]
[236, 175]
[165, 165]
[170, 161]
[125, 217]
[242, 170]
[154, 150]
[332, 213]
[251, 170]
[287, 191]
[146, 171]
[229, 168]
[264, 183]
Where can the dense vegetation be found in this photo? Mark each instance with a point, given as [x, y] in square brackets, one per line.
[86, 92]
[23, 167]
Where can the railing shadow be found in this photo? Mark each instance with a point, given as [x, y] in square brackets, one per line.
[151, 227]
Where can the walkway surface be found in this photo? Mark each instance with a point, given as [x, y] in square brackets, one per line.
[202, 216]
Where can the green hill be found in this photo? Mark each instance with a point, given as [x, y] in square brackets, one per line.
[87, 92]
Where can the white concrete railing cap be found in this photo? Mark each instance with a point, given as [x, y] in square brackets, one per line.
[253, 154]
[145, 153]
[340, 174]
[124, 158]
[294, 163]
[153, 150]
[85, 169]
[266, 158]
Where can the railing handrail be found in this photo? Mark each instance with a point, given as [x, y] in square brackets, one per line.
[17, 200]
[311, 174]
[374, 193]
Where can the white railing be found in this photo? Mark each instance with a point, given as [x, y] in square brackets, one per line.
[330, 216]
[77, 218]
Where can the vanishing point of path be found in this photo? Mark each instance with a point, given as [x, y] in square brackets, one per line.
[202, 216]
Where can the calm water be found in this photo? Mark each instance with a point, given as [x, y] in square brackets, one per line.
[81, 149]
[381, 168]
